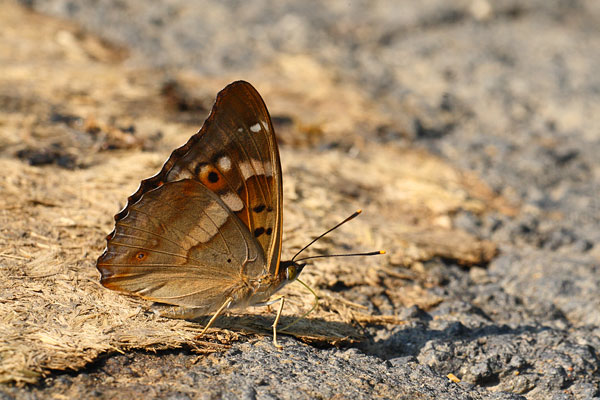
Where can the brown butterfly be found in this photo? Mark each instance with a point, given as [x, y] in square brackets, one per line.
[204, 234]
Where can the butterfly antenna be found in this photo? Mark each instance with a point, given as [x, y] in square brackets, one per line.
[369, 253]
[351, 217]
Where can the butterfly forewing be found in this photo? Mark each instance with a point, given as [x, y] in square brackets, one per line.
[236, 156]
[211, 218]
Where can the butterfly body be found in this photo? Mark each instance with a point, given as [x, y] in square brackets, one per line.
[205, 232]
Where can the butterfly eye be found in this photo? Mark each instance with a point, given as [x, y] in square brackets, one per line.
[291, 273]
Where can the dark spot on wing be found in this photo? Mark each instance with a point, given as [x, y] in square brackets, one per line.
[213, 177]
[259, 208]
[259, 231]
[269, 231]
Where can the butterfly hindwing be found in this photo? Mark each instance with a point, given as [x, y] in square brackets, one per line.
[160, 253]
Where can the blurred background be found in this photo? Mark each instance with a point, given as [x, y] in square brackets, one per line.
[506, 88]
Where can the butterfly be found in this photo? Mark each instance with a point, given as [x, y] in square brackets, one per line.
[204, 233]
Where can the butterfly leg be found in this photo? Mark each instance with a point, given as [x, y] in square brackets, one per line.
[219, 311]
[281, 300]
[315, 305]
[281, 303]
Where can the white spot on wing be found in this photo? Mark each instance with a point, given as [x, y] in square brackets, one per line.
[254, 167]
[255, 128]
[179, 173]
[233, 201]
[224, 163]
[203, 169]
[258, 167]
[268, 169]
[213, 218]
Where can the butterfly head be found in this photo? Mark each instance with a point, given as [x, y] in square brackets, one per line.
[290, 270]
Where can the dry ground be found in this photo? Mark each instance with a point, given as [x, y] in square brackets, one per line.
[79, 130]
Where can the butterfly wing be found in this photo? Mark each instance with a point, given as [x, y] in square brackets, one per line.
[162, 253]
[234, 158]
[235, 155]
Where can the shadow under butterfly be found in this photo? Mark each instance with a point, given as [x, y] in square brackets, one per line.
[204, 234]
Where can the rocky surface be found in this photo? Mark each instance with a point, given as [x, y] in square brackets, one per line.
[505, 89]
